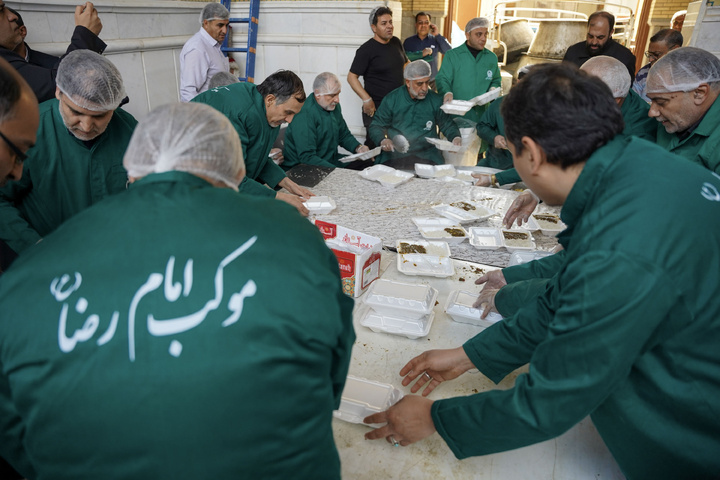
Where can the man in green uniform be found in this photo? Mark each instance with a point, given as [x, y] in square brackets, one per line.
[172, 331]
[409, 115]
[626, 332]
[684, 86]
[315, 133]
[257, 112]
[77, 160]
[470, 69]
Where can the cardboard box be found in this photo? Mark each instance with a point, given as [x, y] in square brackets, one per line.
[360, 262]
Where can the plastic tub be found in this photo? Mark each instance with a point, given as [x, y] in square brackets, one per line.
[422, 257]
[320, 205]
[459, 306]
[362, 397]
[440, 228]
[486, 238]
[411, 328]
[411, 301]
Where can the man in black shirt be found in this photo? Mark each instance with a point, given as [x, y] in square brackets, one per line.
[380, 62]
[599, 41]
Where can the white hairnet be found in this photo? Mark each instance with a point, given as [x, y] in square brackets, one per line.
[187, 137]
[479, 22]
[91, 81]
[326, 83]
[683, 70]
[416, 70]
[611, 71]
[214, 11]
[222, 79]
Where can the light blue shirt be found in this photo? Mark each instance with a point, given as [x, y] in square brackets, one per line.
[200, 59]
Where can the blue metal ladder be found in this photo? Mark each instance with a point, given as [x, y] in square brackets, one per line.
[252, 22]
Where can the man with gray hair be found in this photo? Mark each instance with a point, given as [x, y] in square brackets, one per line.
[684, 86]
[167, 302]
[634, 110]
[660, 44]
[408, 116]
[315, 133]
[77, 160]
[201, 57]
[470, 69]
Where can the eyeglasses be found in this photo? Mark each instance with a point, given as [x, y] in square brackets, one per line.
[653, 55]
[21, 157]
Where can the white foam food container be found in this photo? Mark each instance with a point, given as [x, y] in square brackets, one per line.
[436, 228]
[548, 223]
[411, 328]
[387, 176]
[320, 205]
[464, 212]
[434, 171]
[457, 107]
[362, 397]
[410, 301]
[518, 258]
[446, 145]
[512, 245]
[486, 238]
[432, 260]
[487, 97]
[459, 306]
[465, 176]
[361, 156]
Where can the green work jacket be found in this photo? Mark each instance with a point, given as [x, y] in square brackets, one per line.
[526, 282]
[416, 120]
[467, 76]
[702, 145]
[637, 122]
[626, 332]
[62, 176]
[314, 135]
[245, 108]
[491, 124]
[173, 331]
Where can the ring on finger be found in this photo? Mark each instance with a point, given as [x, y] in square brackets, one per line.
[394, 442]
[426, 374]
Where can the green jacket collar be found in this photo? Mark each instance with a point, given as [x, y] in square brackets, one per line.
[171, 177]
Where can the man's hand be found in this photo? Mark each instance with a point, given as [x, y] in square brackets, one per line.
[87, 16]
[457, 141]
[433, 367]
[387, 145]
[295, 201]
[408, 421]
[486, 300]
[369, 107]
[433, 29]
[521, 209]
[427, 51]
[362, 149]
[500, 142]
[295, 189]
[492, 279]
[447, 97]
[483, 179]
[276, 155]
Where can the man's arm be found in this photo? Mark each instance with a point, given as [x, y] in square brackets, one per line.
[545, 267]
[381, 122]
[193, 74]
[303, 133]
[442, 44]
[14, 228]
[571, 372]
[444, 78]
[487, 127]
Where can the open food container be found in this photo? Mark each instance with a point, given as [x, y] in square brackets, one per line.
[320, 205]
[518, 258]
[487, 97]
[362, 397]
[387, 176]
[361, 156]
[464, 212]
[445, 145]
[440, 228]
[459, 306]
[410, 301]
[486, 238]
[457, 107]
[434, 171]
[358, 256]
[548, 223]
[517, 239]
[423, 257]
[411, 328]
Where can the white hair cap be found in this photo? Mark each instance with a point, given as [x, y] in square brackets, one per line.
[214, 11]
[91, 81]
[479, 22]
[683, 70]
[416, 70]
[326, 83]
[187, 137]
[611, 71]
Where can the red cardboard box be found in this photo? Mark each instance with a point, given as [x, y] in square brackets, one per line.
[358, 256]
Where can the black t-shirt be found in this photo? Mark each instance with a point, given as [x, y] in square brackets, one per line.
[579, 54]
[381, 66]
